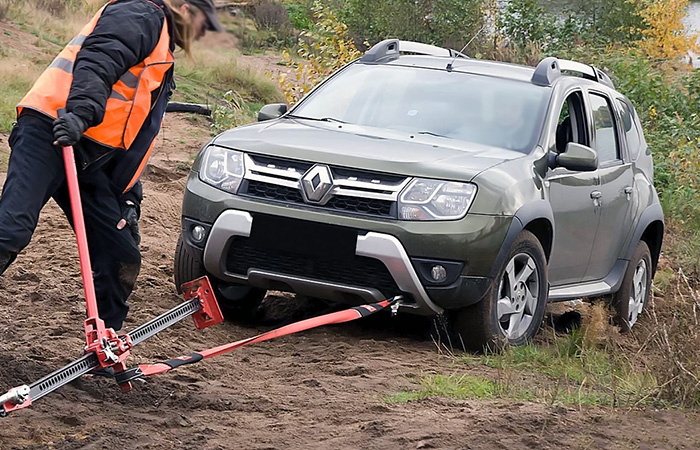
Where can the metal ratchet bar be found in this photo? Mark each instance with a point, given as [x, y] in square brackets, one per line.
[165, 320]
[86, 363]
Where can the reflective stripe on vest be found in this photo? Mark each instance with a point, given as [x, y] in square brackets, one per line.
[129, 102]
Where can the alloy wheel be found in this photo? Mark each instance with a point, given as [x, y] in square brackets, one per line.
[517, 296]
[638, 294]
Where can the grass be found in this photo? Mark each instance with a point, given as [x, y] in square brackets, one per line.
[15, 80]
[584, 368]
[214, 72]
[53, 21]
[461, 387]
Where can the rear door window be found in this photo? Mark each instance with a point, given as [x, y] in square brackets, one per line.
[605, 143]
[629, 127]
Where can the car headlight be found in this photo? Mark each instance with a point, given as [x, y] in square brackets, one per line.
[222, 168]
[435, 200]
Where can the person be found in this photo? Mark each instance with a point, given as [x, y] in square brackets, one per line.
[111, 84]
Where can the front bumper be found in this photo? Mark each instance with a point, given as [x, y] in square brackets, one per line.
[382, 247]
[392, 251]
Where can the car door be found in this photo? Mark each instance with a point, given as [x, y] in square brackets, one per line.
[616, 189]
[576, 214]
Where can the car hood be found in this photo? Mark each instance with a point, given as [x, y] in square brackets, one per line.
[368, 148]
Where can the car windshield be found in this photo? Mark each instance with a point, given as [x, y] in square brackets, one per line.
[473, 108]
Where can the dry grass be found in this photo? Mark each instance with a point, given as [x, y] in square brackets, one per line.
[16, 77]
[55, 21]
[215, 71]
[669, 338]
[595, 325]
[4, 9]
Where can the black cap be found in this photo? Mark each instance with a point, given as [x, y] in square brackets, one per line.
[207, 7]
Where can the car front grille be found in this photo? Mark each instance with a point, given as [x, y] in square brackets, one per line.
[355, 271]
[354, 191]
[356, 205]
[275, 192]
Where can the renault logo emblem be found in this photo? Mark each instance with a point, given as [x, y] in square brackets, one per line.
[317, 183]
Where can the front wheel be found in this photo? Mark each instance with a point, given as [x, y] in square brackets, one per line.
[630, 300]
[237, 302]
[513, 307]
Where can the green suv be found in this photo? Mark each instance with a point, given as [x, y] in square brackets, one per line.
[471, 187]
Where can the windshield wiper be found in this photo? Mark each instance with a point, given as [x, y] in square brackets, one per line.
[434, 134]
[318, 119]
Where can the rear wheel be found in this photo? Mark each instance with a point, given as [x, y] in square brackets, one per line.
[513, 308]
[237, 302]
[631, 299]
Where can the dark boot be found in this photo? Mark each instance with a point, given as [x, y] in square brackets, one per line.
[6, 259]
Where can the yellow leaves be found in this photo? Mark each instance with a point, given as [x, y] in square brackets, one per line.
[653, 114]
[324, 50]
[665, 36]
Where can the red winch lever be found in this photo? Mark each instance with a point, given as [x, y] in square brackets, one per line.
[105, 343]
[104, 348]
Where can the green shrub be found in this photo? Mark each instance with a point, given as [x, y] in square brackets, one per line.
[300, 16]
[232, 113]
[449, 23]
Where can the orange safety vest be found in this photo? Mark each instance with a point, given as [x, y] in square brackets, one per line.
[128, 105]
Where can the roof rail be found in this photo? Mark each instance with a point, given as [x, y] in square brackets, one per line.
[389, 50]
[551, 68]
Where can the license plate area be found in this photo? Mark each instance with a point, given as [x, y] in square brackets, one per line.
[304, 238]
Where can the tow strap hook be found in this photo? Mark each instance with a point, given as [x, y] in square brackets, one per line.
[395, 305]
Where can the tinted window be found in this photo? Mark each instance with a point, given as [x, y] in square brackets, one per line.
[473, 108]
[604, 124]
[629, 126]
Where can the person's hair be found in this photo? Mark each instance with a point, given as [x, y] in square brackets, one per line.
[184, 30]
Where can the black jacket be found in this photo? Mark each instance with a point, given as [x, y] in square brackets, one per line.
[126, 33]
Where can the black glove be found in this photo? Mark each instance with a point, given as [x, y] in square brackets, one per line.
[68, 129]
[130, 218]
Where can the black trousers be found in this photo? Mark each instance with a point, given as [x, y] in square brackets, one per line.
[35, 174]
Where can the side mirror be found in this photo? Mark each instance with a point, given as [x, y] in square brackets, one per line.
[577, 157]
[273, 111]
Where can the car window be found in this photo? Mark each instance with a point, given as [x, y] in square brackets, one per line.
[629, 126]
[604, 124]
[473, 108]
[571, 126]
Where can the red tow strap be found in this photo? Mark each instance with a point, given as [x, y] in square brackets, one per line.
[347, 315]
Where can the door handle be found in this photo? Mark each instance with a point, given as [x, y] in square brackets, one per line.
[629, 190]
[596, 195]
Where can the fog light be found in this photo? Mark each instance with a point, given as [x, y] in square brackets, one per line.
[438, 272]
[198, 233]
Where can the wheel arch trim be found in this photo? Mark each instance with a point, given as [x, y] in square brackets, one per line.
[650, 228]
[539, 211]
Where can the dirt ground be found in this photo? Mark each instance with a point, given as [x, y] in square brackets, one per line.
[320, 389]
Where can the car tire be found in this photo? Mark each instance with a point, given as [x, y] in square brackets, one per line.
[237, 302]
[512, 309]
[629, 302]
